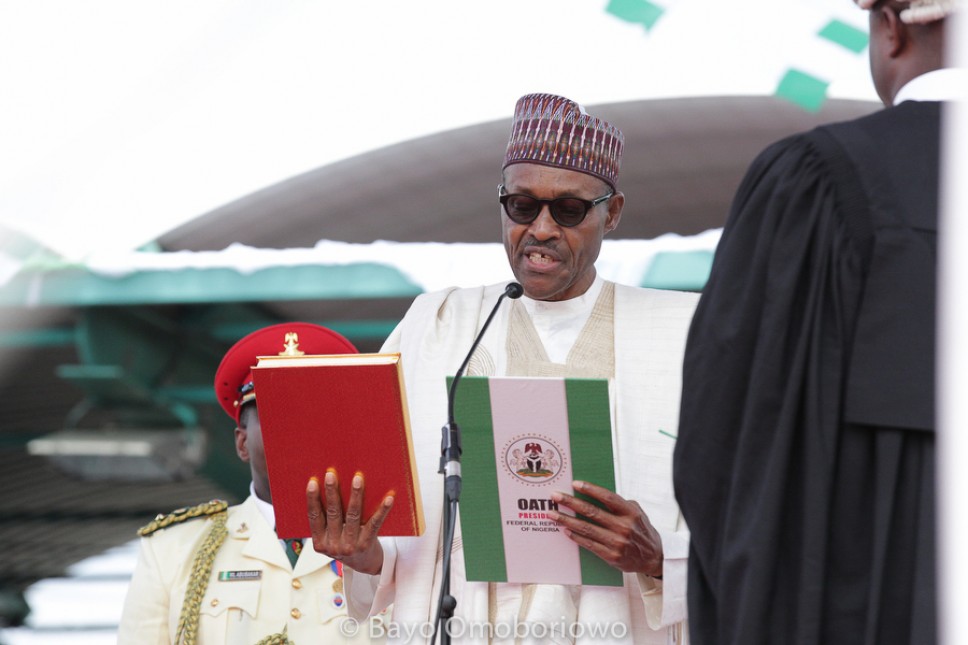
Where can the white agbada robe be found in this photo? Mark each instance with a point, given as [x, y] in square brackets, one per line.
[650, 328]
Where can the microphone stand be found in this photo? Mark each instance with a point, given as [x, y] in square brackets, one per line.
[450, 451]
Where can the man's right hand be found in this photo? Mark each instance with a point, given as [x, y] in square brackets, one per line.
[342, 536]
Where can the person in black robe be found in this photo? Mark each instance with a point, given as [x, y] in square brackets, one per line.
[805, 462]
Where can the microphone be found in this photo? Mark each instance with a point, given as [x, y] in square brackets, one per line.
[450, 451]
[450, 448]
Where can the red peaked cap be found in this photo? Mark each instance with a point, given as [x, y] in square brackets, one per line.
[235, 371]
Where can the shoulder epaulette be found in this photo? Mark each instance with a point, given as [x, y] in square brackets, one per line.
[183, 514]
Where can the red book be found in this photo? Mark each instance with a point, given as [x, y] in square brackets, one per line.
[345, 412]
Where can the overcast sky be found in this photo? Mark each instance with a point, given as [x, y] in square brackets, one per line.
[121, 120]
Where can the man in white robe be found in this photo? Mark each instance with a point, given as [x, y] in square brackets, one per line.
[559, 199]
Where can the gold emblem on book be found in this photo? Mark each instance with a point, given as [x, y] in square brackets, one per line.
[291, 345]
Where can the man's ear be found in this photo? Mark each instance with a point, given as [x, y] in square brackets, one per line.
[241, 444]
[894, 30]
[615, 206]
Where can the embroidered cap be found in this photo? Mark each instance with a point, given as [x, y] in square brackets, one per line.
[554, 131]
[920, 11]
[233, 378]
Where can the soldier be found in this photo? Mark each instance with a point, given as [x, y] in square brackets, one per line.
[218, 574]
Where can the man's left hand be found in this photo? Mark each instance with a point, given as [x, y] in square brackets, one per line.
[620, 534]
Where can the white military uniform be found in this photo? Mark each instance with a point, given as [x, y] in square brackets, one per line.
[253, 591]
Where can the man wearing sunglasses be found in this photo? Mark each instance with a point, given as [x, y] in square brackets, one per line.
[558, 198]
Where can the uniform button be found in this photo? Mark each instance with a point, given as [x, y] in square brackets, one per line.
[296, 584]
[295, 613]
[215, 602]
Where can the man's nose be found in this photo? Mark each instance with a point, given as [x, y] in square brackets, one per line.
[544, 226]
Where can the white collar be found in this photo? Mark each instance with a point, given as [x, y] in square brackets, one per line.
[579, 303]
[559, 323]
[265, 508]
[949, 84]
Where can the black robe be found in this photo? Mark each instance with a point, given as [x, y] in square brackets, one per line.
[804, 465]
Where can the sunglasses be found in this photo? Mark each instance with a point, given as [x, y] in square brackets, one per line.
[566, 211]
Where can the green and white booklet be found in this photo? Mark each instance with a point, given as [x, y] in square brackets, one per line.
[524, 438]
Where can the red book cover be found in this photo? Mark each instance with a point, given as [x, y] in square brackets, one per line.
[345, 412]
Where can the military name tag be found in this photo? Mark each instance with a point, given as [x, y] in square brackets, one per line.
[230, 576]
